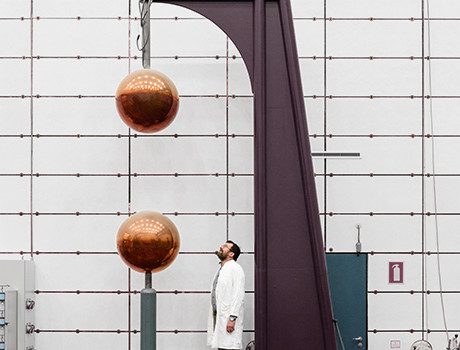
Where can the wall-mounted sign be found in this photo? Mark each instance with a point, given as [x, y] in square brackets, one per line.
[396, 272]
[395, 344]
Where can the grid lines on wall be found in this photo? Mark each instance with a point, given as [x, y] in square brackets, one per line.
[365, 68]
[71, 171]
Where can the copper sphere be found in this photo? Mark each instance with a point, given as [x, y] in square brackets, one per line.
[147, 101]
[148, 241]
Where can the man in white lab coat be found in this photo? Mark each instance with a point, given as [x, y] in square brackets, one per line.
[225, 322]
[454, 342]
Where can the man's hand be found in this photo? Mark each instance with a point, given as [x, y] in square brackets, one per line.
[230, 326]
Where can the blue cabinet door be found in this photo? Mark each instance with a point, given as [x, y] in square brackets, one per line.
[347, 274]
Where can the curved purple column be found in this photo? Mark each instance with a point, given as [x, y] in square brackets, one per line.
[292, 301]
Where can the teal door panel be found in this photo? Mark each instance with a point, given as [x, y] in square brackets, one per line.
[347, 274]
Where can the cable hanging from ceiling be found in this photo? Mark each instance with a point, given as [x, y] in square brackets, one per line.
[433, 165]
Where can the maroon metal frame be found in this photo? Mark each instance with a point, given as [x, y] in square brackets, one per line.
[292, 301]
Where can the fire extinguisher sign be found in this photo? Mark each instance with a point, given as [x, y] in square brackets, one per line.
[396, 272]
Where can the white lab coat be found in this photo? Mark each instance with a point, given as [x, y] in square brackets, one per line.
[454, 344]
[229, 301]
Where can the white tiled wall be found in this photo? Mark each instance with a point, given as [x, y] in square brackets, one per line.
[363, 80]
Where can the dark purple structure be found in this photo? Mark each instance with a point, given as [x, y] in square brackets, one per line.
[293, 308]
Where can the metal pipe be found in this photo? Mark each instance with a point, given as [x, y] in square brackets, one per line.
[148, 280]
[145, 24]
[148, 315]
[148, 319]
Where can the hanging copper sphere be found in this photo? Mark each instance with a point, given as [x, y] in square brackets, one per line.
[148, 241]
[147, 101]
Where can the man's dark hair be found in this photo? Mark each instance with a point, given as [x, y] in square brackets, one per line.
[235, 249]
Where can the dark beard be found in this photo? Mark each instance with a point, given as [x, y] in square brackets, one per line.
[220, 255]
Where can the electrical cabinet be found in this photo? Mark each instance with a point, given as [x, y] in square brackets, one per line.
[17, 305]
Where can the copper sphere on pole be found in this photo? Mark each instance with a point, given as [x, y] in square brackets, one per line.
[147, 101]
[148, 242]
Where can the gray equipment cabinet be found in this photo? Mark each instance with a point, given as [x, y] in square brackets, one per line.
[17, 305]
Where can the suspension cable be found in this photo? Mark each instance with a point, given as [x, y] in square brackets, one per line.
[430, 93]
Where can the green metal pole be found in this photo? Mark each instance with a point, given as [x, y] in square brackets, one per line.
[148, 315]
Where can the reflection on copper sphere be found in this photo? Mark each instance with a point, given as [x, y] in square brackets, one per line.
[147, 101]
[148, 241]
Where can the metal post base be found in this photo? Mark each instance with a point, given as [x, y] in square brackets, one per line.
[148, 319]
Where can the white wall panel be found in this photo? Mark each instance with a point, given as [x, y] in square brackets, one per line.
[75, 341]
[99, 8]
[376, 77]
[15, 194]
[449, 240]
[17, 74]
[16, 241]
[449, 271]
[377, 194]
[185, 194]
[446, 197]
[178, 155]
[312, 76]
[394, 311]
[83, 311]
[377, 8]
[20, 8]
[15, 116]
[312, 8]
[444, 116]
[80, 37]
[447, 9]
[82, 194]
[76, 233]
[17, 44]
[376, 38]
[309, 37]
[80, 272]
[442, 30]
[241, 155]
[81, 155]
[241, 194]
[317, 145]
[240, 116]
[445, 159]
[376, 116]
[75, 77]
[14, 155]
[445, 75]
[72, 116]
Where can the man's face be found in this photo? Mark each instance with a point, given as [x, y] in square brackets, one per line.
[224, 251]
